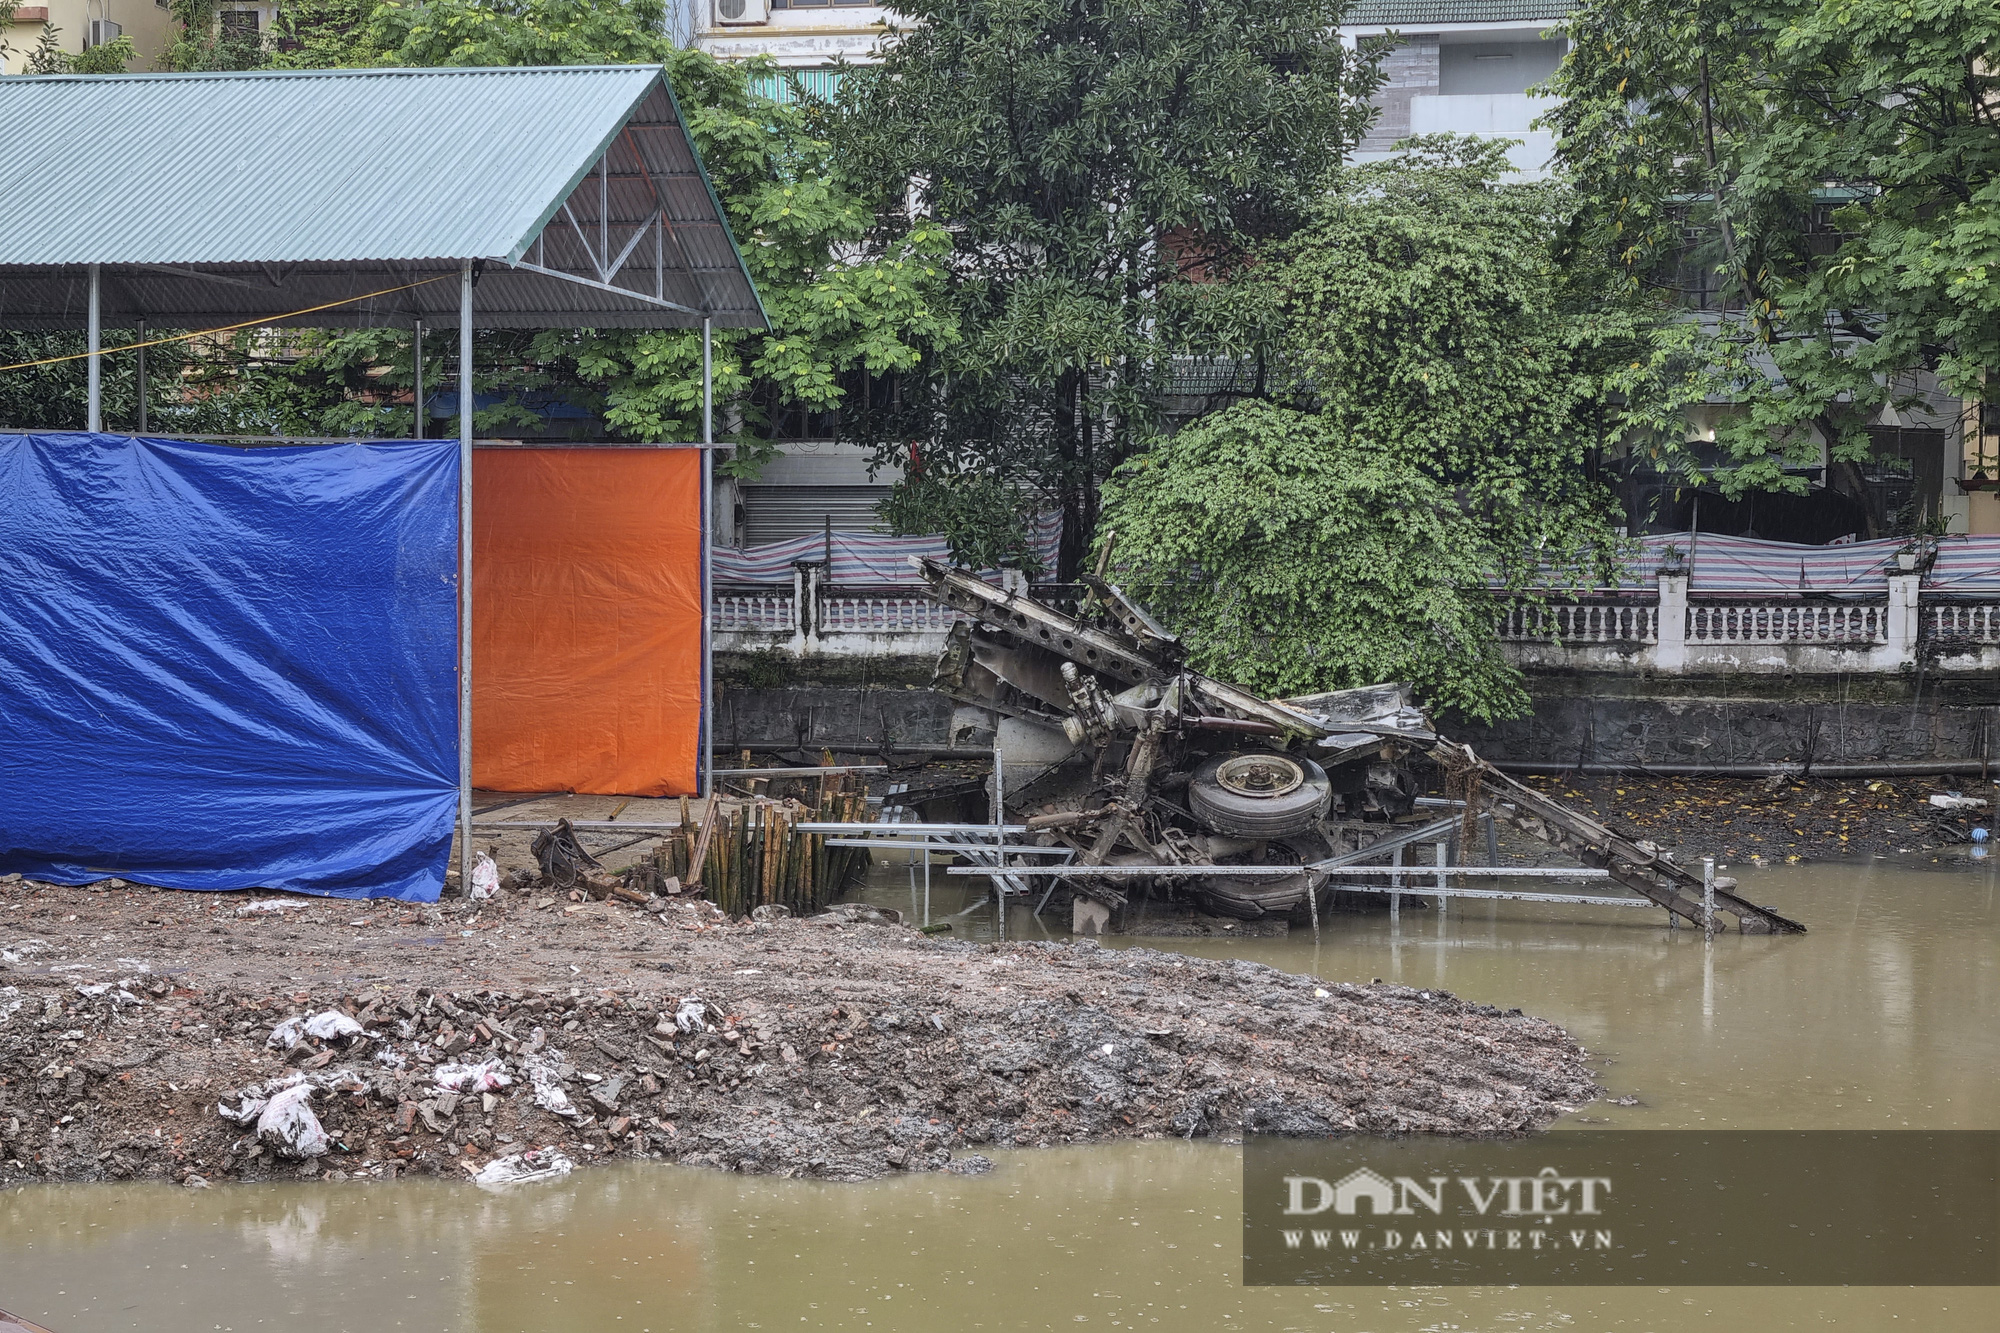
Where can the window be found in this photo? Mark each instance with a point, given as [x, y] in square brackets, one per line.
[239, 23]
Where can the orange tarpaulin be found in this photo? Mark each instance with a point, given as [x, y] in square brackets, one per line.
[586, 620]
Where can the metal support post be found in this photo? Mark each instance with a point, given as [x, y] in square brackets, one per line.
[141, 349]
[705, 775]
[1440, 856]
[94, 413]
[1395, 892]
[417, 379]
[465, 578]
[1492, 838]
[1708, 899]
[999, 826]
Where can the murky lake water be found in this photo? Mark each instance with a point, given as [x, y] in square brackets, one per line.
[1887, 1014]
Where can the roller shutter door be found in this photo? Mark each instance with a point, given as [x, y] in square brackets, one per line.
[779, 513]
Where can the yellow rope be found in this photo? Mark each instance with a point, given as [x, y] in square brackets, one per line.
[228, 328]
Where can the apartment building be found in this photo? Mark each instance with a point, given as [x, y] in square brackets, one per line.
[81, 23]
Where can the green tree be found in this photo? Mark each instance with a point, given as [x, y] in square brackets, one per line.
[204, 45]
[1094, 164]
[55, 394]
[1448, 375]
[1294, 558]
[1820, 175]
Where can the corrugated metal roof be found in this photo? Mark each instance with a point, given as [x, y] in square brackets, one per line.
[209, 195]
[1419, 14]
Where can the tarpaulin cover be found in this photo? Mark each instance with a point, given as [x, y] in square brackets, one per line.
[586, 620]
[227, 668]
[1725, 566]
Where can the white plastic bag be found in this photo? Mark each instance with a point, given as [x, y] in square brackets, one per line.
[692, 1016]
[488, 1077]
[485, 878]
[289, 1125]
[523, 1168]
[546, 1075]
[330, 1025]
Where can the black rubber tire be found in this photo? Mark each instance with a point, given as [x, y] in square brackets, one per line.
[1223, 811]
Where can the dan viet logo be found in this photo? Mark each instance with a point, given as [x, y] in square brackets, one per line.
[1667, 1207]
[1541, 1199]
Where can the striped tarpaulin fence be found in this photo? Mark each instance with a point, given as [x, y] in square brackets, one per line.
[1719, 565]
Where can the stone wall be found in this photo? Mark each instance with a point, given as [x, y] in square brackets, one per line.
[1411, 70]
[860, 706]
[1580, 720]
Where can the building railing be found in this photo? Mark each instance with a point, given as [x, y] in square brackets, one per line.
[755, 609]
[1658, 629]
[1582, 622]
[1736, 622]
[1959, 622]
[881, 611]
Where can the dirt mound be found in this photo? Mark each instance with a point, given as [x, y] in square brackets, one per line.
[820, 1048]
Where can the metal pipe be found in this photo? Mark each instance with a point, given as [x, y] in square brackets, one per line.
[826, 772]
[465, 577]
[705, 778]
[1890, 768]
[141, 325]
[928, 845]
[971, 830]
[94, 412]
[417, 384]
[1483, 872]
[999, 795]
[1509, 895]
[943, 751]
[1708, 899]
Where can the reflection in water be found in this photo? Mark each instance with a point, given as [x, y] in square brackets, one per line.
[1883, 1016]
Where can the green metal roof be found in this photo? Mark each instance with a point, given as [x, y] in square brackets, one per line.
[234, 195]
[1419, 14]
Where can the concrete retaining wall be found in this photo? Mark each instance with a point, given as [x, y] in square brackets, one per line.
[1816, 722]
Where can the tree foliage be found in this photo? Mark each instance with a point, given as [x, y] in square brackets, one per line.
[1294, 557]
[1448, 375]
[1090, 161]
[1827, 167]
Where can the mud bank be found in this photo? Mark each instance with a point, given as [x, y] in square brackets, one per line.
[1778, 819]
[836, 1047]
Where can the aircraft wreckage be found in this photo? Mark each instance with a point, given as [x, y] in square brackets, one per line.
[1174, 771]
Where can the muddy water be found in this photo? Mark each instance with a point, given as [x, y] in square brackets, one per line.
[1887, 1014]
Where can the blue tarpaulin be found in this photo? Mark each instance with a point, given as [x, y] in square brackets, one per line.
[227, 668]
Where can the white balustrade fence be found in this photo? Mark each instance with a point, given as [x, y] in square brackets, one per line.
[1958, 622]
[1734, 622]
[1667, 632]
[755, 613]
[882, 613]
[1582, 622]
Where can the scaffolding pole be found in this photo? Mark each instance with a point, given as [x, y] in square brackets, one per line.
[94, 417]
[465, 577]
[705, 778]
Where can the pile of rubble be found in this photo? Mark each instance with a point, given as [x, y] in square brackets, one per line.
[838, 1047]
